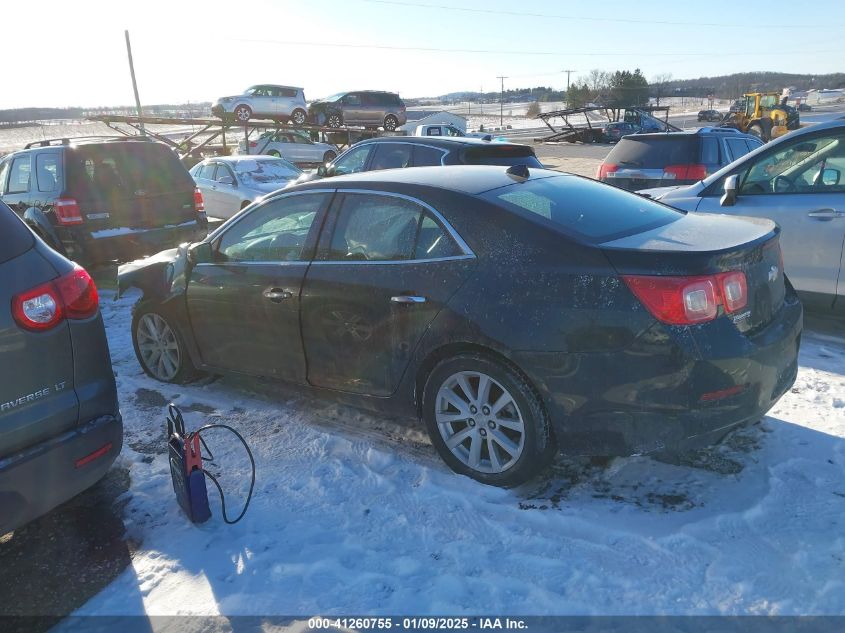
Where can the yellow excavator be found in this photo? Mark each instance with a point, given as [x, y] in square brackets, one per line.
[765, 115]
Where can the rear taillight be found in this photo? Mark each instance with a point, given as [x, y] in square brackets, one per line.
[71, 296]
[684, 172]
[605, 169]
[67, 211]
[689, 300]
[199, 203]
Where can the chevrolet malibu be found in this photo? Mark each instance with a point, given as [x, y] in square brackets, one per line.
[518, 312]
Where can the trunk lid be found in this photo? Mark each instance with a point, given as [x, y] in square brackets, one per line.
[129, 185]
[705, 244]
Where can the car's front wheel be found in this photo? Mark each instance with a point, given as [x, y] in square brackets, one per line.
[486, 421]
[159, 346]
[274, 153]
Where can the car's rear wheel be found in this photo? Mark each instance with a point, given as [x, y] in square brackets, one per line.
[334, 120]
[298, 117]
[486, 421]
[329, 156]
[273, 152]
[159, 346]
[391, 123]
[243, 113]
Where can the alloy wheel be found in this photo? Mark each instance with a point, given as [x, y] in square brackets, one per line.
[158, 346]
[242, 113]
[480, 422]
[299, 117]
[390, 123]
[334, 120]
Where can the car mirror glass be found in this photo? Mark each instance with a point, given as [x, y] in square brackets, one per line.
[731, 186]
[830, 177]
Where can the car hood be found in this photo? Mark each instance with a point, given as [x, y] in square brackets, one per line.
[263, 188]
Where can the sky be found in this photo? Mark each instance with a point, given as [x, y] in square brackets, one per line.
[74, 54]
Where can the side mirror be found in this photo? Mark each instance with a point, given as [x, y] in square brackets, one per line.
[200, 253]
[830, 177]
[227, 180]
[731, 186]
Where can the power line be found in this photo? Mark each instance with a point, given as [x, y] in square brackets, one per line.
[435, 49]
[737, 24]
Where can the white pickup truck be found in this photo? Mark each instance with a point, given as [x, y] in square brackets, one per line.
[445, 129]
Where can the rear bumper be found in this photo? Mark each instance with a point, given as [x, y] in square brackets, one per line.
[126, 245]
[35, 480]
[663, 394]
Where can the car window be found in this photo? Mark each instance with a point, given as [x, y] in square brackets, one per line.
[425, 156]
[737, 147]
[386, 228]
[302, 139]
[352, 161]
[48, 171]
[352, 99]
[391, 156]
[273, 232]
[19, 176]
[654, 152]
[433, 241]
[801, 166]
[583, 208]
[501, 155]
[223, 172]
[710, 151]
[287, 92]
[370, 99]
[207, 171]
[434, 131]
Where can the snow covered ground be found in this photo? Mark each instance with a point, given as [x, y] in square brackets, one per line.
[356, 515]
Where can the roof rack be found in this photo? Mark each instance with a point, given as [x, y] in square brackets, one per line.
[67, 141]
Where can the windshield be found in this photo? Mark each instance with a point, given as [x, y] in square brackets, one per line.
[583, 208]
[335, 97]
[266, 170]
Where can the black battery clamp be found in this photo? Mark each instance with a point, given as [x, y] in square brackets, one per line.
[187, 472]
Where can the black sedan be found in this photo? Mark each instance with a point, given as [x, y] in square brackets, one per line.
[517, 311]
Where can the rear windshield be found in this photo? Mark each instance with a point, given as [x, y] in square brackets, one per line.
[654, 152]
[15, 238]
[125, 167]
[501, 155]
[583, 208]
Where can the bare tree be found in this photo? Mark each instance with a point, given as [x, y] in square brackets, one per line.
[660, 82]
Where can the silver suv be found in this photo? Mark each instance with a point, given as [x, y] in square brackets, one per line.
[368, 108]
[265, 101]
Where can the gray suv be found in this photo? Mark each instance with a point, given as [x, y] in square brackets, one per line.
[264, 101]
[60, 427]
[368, 108]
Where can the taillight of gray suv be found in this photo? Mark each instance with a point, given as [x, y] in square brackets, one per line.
[60, 427]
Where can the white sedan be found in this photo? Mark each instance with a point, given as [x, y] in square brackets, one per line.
[293, 146]
[230, 183]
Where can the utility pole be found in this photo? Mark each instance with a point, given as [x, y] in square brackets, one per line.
[502, 103]
[568, 72]
[134, 83]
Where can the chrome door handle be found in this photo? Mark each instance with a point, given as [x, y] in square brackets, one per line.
[825, 214]
[407, 299]
[276, 294]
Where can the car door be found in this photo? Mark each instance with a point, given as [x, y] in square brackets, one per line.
[304, 149]
[801, 185]
[204, 179]
[353, 109]
[226, 191]
[386, 266]
[244, 304]
[18, 192]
